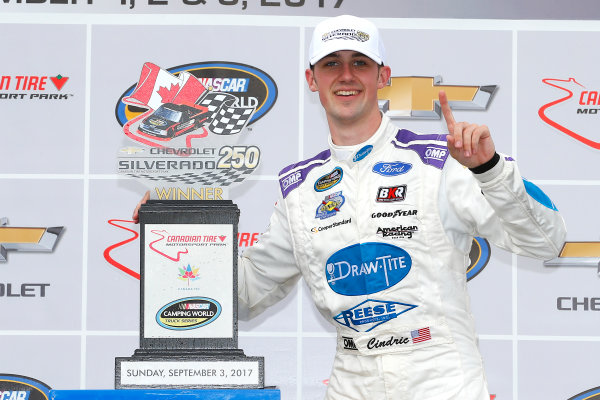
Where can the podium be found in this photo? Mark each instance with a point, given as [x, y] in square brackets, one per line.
[188, 301]
[164, 394]
[137, 394]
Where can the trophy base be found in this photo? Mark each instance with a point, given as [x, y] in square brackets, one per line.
[189, 369]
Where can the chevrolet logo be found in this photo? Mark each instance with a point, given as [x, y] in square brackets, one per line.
[27, 239]
[131, 150]
[417, 97]
[577, 254]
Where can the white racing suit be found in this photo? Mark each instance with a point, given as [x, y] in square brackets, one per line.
[381, 233]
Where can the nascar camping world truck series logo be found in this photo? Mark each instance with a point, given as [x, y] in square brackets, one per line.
[186, 122]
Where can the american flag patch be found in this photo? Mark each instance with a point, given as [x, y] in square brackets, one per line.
[420, 335]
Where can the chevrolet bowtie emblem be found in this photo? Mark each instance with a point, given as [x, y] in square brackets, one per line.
[417, 97]
[577, 254]
[131, 150]
[27, 239]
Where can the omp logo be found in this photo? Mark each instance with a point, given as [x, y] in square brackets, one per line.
[417, 97]
[286, 182]
[577, 254]
[349, 343]
[576, 113]
[437, 153]
[27, 239]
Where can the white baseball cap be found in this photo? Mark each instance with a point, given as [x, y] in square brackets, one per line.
[346, 32]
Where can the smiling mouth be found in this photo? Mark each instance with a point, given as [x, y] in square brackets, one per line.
[346, 92]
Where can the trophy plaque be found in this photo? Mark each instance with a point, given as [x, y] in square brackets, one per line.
[188, 301]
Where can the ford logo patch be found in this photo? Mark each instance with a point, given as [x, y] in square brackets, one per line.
[391, 168]
[366, 268]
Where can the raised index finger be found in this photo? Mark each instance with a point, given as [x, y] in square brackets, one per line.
[446, 111]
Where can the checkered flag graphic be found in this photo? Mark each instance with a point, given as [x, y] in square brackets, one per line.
[222, 177]
[214, 101]
[225, 119]
[231, 120]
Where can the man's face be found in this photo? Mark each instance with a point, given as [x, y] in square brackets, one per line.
[347, 82]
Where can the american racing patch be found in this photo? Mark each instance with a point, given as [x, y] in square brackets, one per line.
[397, 232]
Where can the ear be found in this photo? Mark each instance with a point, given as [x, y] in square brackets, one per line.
[384, 76]
[310, 79]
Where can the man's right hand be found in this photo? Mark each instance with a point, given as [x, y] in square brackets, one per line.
[136, 217]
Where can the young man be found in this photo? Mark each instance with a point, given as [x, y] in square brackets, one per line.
[380, 226]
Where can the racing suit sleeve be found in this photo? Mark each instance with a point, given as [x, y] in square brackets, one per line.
[502, 207]
[267, 271]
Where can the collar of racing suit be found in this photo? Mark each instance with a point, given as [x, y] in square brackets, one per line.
[356, 153]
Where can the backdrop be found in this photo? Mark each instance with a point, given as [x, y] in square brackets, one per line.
[72, 155]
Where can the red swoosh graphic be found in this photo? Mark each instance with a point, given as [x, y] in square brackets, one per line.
[179, 253]
[127, 130]
[109, 258]
[542, 110]
[188, 139]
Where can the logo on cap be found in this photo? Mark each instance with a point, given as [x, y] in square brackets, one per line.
[346, 34]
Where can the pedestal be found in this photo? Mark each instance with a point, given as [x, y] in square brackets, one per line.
[188, 303]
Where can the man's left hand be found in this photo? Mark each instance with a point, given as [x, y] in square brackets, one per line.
[470, 144]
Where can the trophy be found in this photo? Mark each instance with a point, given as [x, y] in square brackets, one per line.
[188, 301]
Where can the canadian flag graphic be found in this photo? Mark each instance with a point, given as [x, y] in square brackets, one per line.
[157, 86]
